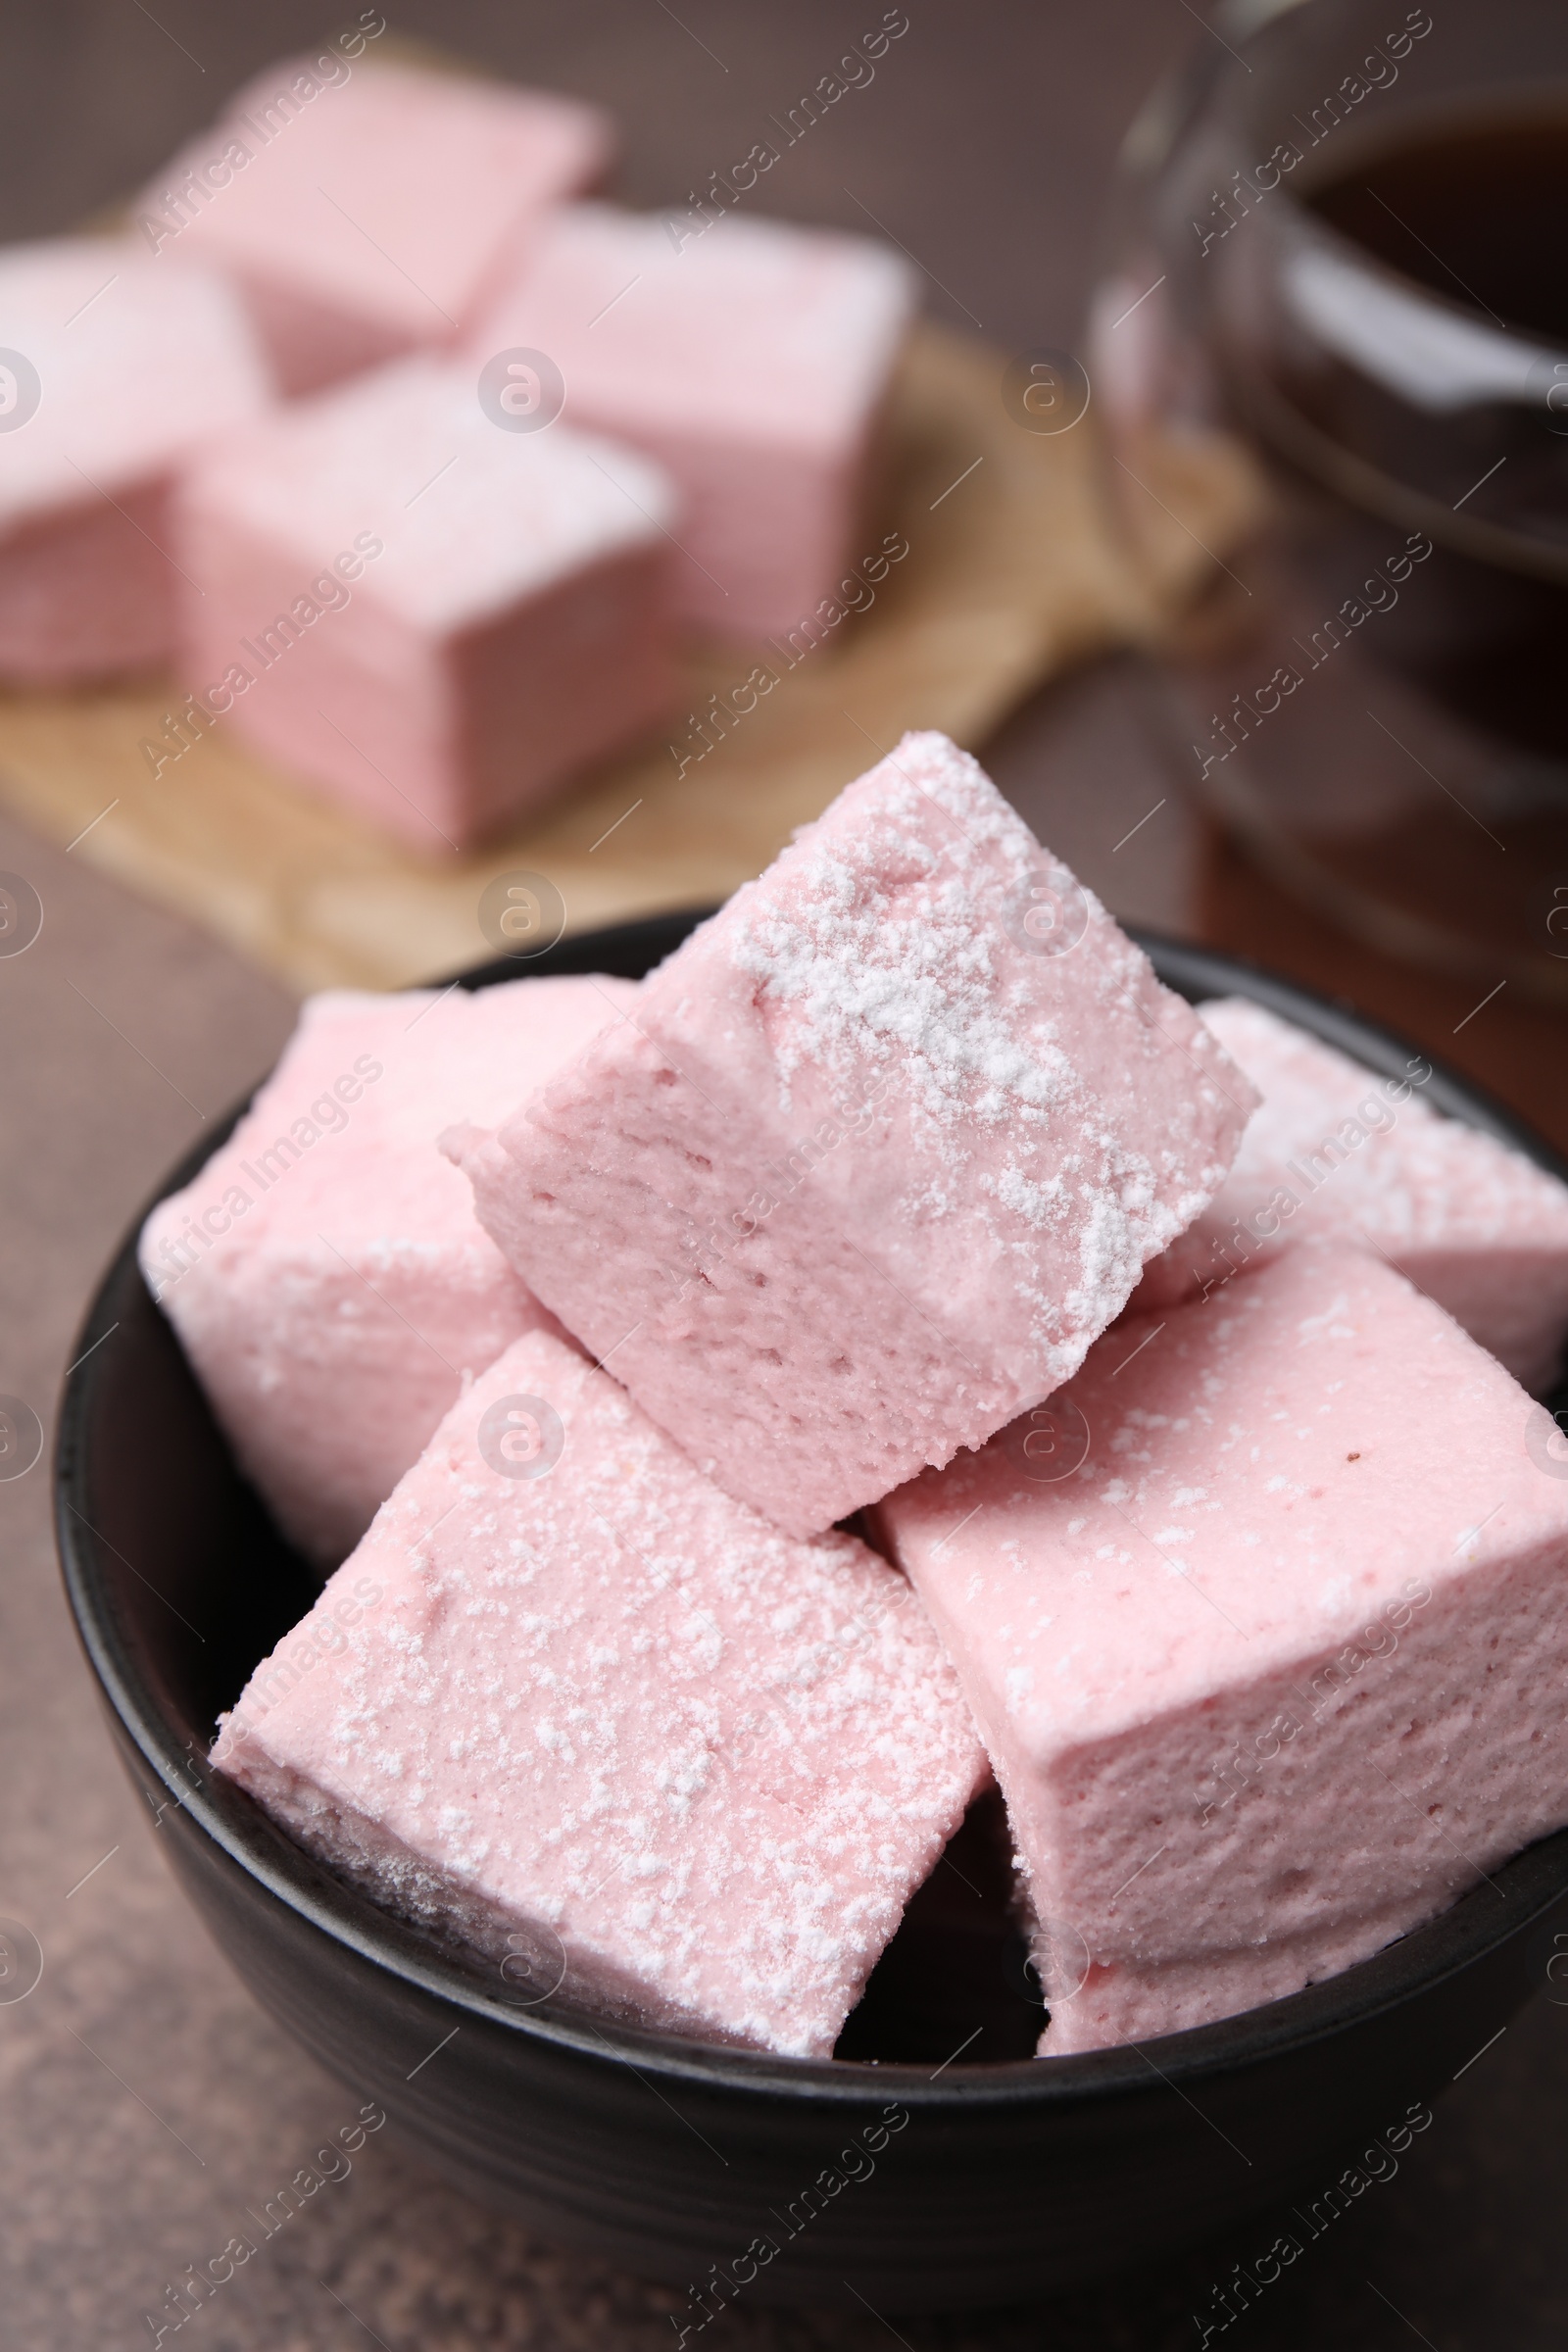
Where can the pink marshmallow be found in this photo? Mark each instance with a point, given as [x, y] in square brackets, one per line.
[364, 211]
[750, 358]
[1262, 1620]
[324, 1271]
[1335, 1150]
[570, 1704]
[434, 620]
[870, 1166]
[114, 370]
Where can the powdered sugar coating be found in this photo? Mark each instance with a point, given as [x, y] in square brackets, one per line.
[883, 953]
[1271, 1675]
[867, 1173]
[510, 515]
[325, 1272]
[1335, 1150]
[609, 1711]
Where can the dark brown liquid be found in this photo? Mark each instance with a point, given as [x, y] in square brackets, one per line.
[1417, 781]
[1468, 209]
[1475, 211]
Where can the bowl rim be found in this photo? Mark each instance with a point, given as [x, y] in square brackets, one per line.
[228, 1819]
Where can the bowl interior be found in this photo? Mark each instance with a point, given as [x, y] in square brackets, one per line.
[181, 1584]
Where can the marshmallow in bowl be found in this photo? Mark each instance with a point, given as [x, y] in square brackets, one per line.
[324, 1271]
[572, 1705]
[1261, 1619]
[885, 1149]
[1335, 1150]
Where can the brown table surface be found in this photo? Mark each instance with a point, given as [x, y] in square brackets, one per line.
[145, 2101]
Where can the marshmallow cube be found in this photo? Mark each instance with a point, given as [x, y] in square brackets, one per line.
[324, 1271]
[1264, 1621]
[872, 1166]
[113, 370]
[367, 211]
[571, 1706]
[1335, 1150]
[434, 620]
[751, 359]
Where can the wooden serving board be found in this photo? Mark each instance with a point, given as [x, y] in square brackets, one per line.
[1012, 571]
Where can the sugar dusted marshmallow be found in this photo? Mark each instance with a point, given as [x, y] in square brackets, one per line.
[113, 372]
[324, 1271]
[885, 1147]
[572, 1705]
[366, 210]
[751, 360]
[1335, 1150]
[433, 619]
[1264, 1621]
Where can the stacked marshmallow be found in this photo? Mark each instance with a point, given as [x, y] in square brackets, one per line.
[882, 1196]
[413, 469]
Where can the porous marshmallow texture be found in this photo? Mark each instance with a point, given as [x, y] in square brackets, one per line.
[324, 1271]
[1335, 1150]
[431, 619]
[572, 1705]
[1264, 1620]
[365, 209]
[883, 1148]
[121, 370]
[751, 360]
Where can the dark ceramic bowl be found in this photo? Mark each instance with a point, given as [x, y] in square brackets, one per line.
[933, 2163]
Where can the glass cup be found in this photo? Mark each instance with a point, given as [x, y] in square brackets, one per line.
[1339, 286]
